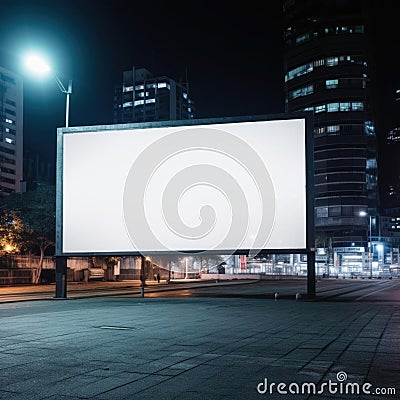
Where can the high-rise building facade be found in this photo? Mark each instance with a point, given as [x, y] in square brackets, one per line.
[327, 71]
[142, 97]
[11, 133]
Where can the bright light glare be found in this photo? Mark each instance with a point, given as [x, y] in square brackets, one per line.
[9, 248]
[36, 64]
[363, 214]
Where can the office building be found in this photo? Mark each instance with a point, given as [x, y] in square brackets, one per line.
[11, 133]
[327, 72]
[143, 97]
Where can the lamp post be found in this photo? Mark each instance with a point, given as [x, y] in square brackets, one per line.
[364, 214]
[67, 93]
[39, 66]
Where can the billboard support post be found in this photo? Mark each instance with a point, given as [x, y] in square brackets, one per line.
[61, 260]
[61, 277]
[143, 271]
[310, 230]
[311, 290]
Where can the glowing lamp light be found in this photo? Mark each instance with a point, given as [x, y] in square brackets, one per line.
[37, 64]
[8, 248]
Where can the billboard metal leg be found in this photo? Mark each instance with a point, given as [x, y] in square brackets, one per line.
[311, 292]
[61, 277]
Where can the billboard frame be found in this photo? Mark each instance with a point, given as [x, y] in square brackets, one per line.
[309, 176]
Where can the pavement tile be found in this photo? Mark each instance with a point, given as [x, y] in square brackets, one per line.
[131, 390]
[211, 348]
[5, 395]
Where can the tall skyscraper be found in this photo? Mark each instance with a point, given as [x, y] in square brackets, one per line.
[11, 132]
[142, 97]
[327, 71]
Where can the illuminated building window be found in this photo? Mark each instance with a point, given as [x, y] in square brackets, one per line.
[332, 83]
[128, 89]
[127, 104]
[371, 163]
[304, 91]
[322, 212]
[8, 140]
[345, 106]
[332, 61]
[302, 38]
[162, 85]
[320, 130]
[303, 69]
[333, 128]
[333, 107]
[319, 109]
[357, 106]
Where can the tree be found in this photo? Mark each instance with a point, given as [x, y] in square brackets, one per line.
[207, 260]
[35, 212]
[11, 232]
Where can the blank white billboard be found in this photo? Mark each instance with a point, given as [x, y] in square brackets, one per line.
[222, 187]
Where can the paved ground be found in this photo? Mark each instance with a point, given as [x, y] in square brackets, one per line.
[115, 348]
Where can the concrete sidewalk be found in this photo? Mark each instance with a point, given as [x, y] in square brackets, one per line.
[105, 288]
[196, 348]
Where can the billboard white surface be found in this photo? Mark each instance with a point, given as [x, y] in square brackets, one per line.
[222, 187]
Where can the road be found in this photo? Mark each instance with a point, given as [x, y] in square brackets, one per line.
[327, 290]
[354, 290]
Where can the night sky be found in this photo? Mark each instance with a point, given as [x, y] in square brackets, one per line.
[231, 52]
[231, 55]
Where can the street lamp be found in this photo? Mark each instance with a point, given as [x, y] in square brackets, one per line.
[365, 214]
[39, 66]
